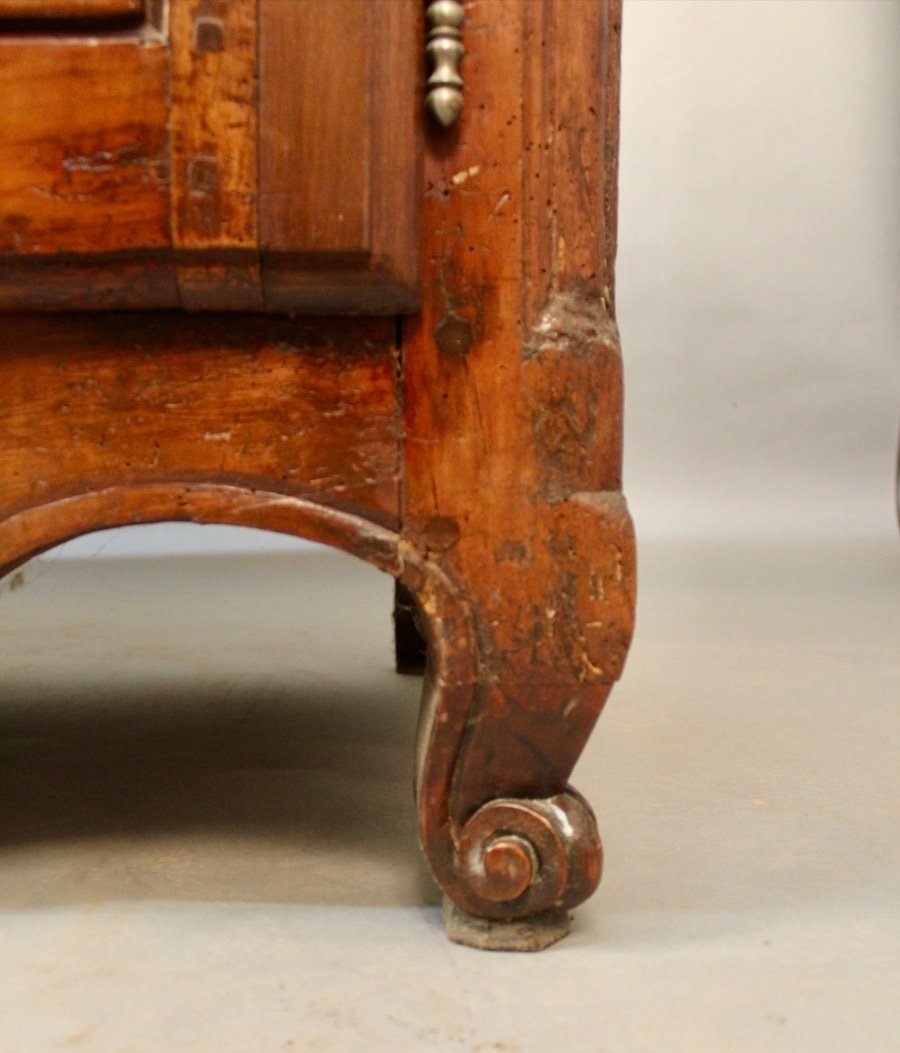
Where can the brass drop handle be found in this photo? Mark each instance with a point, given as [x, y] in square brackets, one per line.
[445, 51]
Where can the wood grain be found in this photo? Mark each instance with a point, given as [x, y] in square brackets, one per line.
[64, 9]
[480, 464]
[264, 155]
[83, 156]
[340, 133]
[512, 389]
[214, 126]
[316, 126]
[92, 401]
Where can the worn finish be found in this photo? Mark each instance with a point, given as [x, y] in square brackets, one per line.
[476, 458]
[518, 441]
[90, 401]
[101, 187]
[236, 155]
[214, 129]
[90, 9]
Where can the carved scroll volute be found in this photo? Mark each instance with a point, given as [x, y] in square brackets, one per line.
[445, 51]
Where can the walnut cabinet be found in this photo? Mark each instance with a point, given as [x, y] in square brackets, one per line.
[343, 269]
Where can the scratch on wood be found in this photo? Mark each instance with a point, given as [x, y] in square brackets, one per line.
[572, 321]
[467, 173]
[107, 160]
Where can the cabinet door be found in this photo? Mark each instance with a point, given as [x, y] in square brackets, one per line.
[210, 154]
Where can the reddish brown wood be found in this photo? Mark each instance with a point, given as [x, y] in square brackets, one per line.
[215, 158]
[83, 160]
[479, 462]
[513, 447]
[316, 145]
[238, 154]
[90, 9]
[340, 115]
[89, 402]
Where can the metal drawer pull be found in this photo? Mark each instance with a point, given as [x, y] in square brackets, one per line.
[445, 51]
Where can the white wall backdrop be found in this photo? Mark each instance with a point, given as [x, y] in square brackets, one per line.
[758, 277]
[758, 274]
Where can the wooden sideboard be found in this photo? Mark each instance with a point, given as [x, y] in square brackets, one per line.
[290, 264]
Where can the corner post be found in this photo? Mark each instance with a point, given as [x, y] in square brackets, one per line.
[513, 399]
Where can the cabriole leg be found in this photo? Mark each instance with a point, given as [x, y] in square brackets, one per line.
[514, 847]
[512, 389]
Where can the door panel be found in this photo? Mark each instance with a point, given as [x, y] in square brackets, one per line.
[314, 186]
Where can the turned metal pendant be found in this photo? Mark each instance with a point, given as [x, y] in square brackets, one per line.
[445, 51]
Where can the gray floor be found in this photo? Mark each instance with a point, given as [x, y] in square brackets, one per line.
[208, 841]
